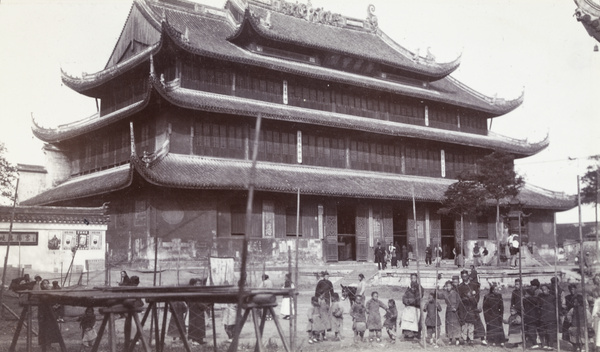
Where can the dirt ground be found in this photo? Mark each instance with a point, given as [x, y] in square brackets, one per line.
[72, 333]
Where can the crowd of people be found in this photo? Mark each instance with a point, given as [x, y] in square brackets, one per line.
[537, 316]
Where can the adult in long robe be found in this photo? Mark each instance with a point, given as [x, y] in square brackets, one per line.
[323, 292]
[404, 256]
[469, 292]
[179, 310]
[324, 288]
[49, 332]
[453, 326]
[548, 323]
[493, 311]
[531, 314]
[411, 315]
[197, 320]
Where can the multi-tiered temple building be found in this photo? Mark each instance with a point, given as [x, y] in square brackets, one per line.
[351, 121]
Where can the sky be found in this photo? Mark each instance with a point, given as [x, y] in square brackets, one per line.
[506, 47]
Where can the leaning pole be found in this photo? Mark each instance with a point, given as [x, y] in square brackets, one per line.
[242, 281]
[423, 335]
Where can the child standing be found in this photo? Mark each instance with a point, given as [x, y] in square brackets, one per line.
[432, 320]
[87, 322]
[391, 319]
[359, 319]
[514, 328]
[337, 314]
[315, 323]
[374, 320]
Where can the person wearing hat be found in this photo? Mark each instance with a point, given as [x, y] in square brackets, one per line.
[469, 292]
[324, 291]
[453, 323]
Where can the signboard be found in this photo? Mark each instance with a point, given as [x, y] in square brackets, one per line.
[22, 238]
[222, 271]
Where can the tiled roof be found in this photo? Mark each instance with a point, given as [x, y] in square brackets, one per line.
[100, 182]
[195, 172]
[200, 100]
[88, 124]
[204, 34]
[55, 215]
[360, 43]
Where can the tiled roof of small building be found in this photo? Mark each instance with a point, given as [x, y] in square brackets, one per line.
[54, 215]
[100, 182]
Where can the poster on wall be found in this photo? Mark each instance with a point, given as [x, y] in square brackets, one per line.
[95, 240]
[221, 271]
[68, 238]
[82, 240]
[53, 242]
[19, 238]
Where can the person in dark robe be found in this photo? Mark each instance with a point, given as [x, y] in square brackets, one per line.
[569, 304]
[531, 313]
[324, 288]
[548, 323]
[197, 320]
[323, 292]
[379, 253]
[469, 292]
[404, 256]
[428, 255]
[515, 297]
[452, 323]
[49, 331]
[493, 311]
[125, 280]
[179, 310]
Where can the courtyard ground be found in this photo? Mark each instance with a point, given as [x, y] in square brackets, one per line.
[72, 333]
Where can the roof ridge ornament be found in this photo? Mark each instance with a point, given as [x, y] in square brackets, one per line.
[372, 22]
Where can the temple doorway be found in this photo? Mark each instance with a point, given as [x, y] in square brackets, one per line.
[346, 222]
[399, 223]
[448, 236]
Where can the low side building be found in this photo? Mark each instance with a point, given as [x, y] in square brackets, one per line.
[44, 239]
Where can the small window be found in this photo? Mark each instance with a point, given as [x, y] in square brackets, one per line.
[290, 222]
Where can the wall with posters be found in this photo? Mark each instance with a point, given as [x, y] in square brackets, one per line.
[45, 239]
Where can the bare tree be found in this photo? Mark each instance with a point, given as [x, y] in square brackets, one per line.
[8, 175]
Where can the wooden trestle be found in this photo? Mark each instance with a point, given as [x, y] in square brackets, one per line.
[128, 301]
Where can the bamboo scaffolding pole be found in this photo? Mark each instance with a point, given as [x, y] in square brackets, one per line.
[581, 268]
[243, 275]
[557, 300]
[423, 332]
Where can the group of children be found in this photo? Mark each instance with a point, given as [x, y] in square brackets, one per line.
[365, 316]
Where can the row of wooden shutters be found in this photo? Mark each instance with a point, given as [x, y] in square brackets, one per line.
[362, 231]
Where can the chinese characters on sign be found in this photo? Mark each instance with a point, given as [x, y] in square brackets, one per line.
[19, 238]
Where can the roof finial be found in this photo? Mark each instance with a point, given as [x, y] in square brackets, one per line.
[372, 21]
